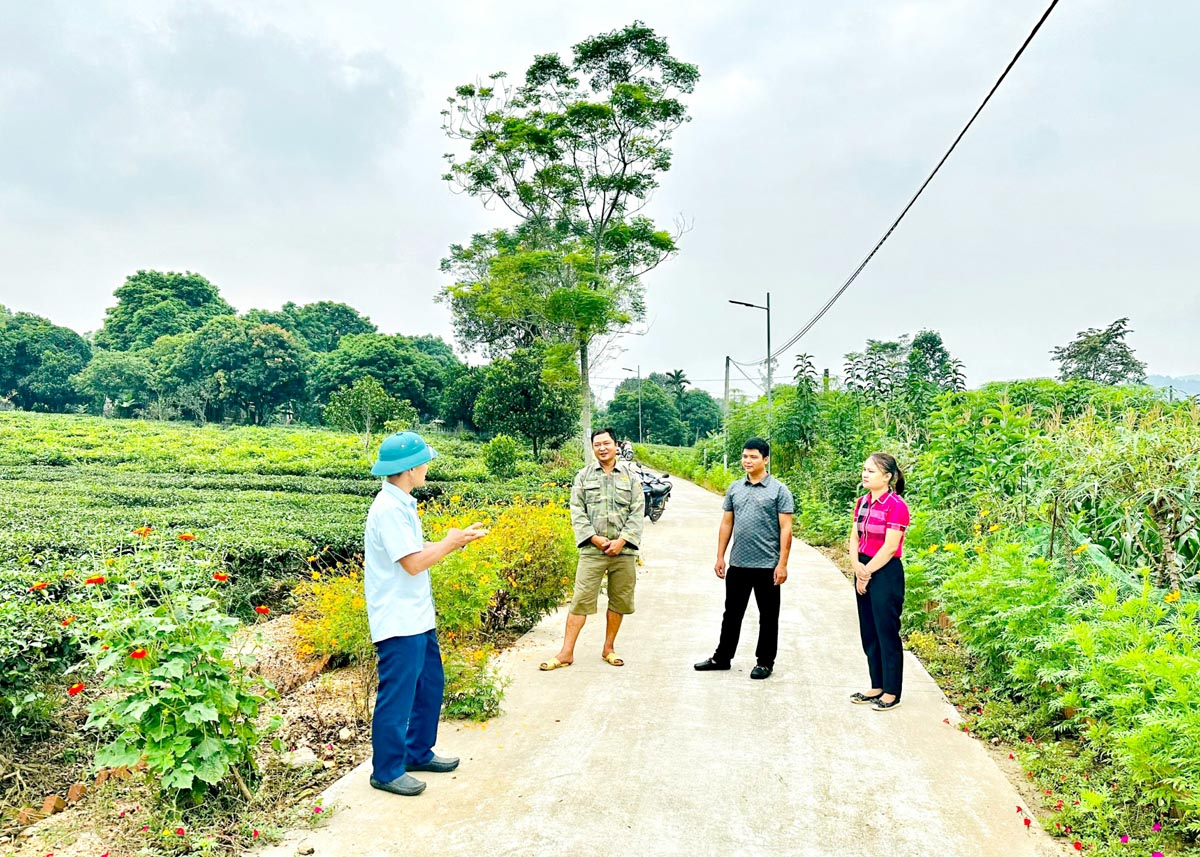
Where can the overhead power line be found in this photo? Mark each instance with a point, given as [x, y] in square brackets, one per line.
[863, 264]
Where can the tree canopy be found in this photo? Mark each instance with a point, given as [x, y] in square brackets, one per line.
[151, 304]
[1099, 355]
[37, 360]
[517, 398]
[319, 325]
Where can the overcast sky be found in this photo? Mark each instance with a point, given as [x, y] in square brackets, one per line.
[292, 151]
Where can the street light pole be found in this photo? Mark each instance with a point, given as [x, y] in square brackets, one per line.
[770, 377]
[639, 380]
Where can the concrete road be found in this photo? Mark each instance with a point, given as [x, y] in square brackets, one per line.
[654, 758]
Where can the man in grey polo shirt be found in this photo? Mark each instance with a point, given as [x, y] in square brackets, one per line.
[758, 515]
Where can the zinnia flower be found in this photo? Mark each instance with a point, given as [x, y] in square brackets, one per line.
[186, 537]
[1078, 845]
[40, 585]
[262, 611]
[138, 653]
[1157, 826]
[75, 689]
[219, 577]
[255, 834]
[143, 532]
[1028, 822]
[99, 578]
[1125, 839]
[68, 621]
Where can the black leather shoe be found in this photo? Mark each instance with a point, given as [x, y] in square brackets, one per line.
[880, 705]
[437, 765]
[405, 785]
[710, 664]
[760, 672]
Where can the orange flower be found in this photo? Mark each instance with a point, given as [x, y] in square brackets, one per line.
[97, 579]
[75, 689]
[186, 537]
[262, 611]
[220, 578]
[40, 585]
[138, 653]
[68, 621]
[143, 531]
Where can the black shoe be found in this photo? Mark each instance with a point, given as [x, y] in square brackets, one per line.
[710, 664]
[863, 699]
[760, 671]
[405, 785]
[437, 765]
[880, 705]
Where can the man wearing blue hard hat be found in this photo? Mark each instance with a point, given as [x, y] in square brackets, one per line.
[396, 563]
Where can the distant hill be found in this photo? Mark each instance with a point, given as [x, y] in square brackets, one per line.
[1189, 384]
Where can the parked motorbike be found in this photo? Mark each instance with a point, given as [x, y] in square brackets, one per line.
[656, 490]
[625, 450]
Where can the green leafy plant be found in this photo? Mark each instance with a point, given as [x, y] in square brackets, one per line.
[502, 454]
[181, 701]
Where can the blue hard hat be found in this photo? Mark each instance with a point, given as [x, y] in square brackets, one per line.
[400, 452]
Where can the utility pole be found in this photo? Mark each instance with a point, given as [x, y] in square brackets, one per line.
[770, 373]
[725, 419]
[639, 380]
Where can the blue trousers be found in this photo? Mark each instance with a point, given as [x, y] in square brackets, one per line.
[407, 704]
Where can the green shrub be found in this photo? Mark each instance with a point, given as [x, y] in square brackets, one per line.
[502, 454]
[181, 700]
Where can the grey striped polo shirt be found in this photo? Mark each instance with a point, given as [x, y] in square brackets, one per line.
[756, 509]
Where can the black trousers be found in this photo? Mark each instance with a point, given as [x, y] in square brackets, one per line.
[879, 625]
[739, 582]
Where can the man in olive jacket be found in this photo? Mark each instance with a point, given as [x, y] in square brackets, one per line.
[607, 506]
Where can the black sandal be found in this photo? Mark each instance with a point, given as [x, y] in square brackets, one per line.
[880, 705]
[863, 699]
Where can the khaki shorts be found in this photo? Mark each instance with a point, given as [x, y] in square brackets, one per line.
[622, 577]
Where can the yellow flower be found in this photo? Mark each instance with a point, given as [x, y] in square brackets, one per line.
[979, 549]
[985, 512]
[1083, 547]
[1172, 597]
[529, 557]
[457, 498]
[312, 559]
[993, 528]
[316, 575]
[933, 548]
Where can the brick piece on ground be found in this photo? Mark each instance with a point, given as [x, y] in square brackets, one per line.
[28, 815]
[53, 804]
[76, 792]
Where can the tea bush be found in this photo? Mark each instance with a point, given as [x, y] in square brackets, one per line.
[501, 454]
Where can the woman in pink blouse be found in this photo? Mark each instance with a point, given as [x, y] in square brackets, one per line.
[876, 544]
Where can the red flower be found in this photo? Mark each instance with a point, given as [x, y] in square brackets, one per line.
[99, 578]
[75, 689]
[255, 834]
[186, 537]
[145, 828]
[946, 720]
[1028, 822]
[68, 621]
[1078, 845]
[1019, 809]
[262, 611]
[179, 831]
[138, 653]
[1010, 755]
[220, 578]
[39, 586]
